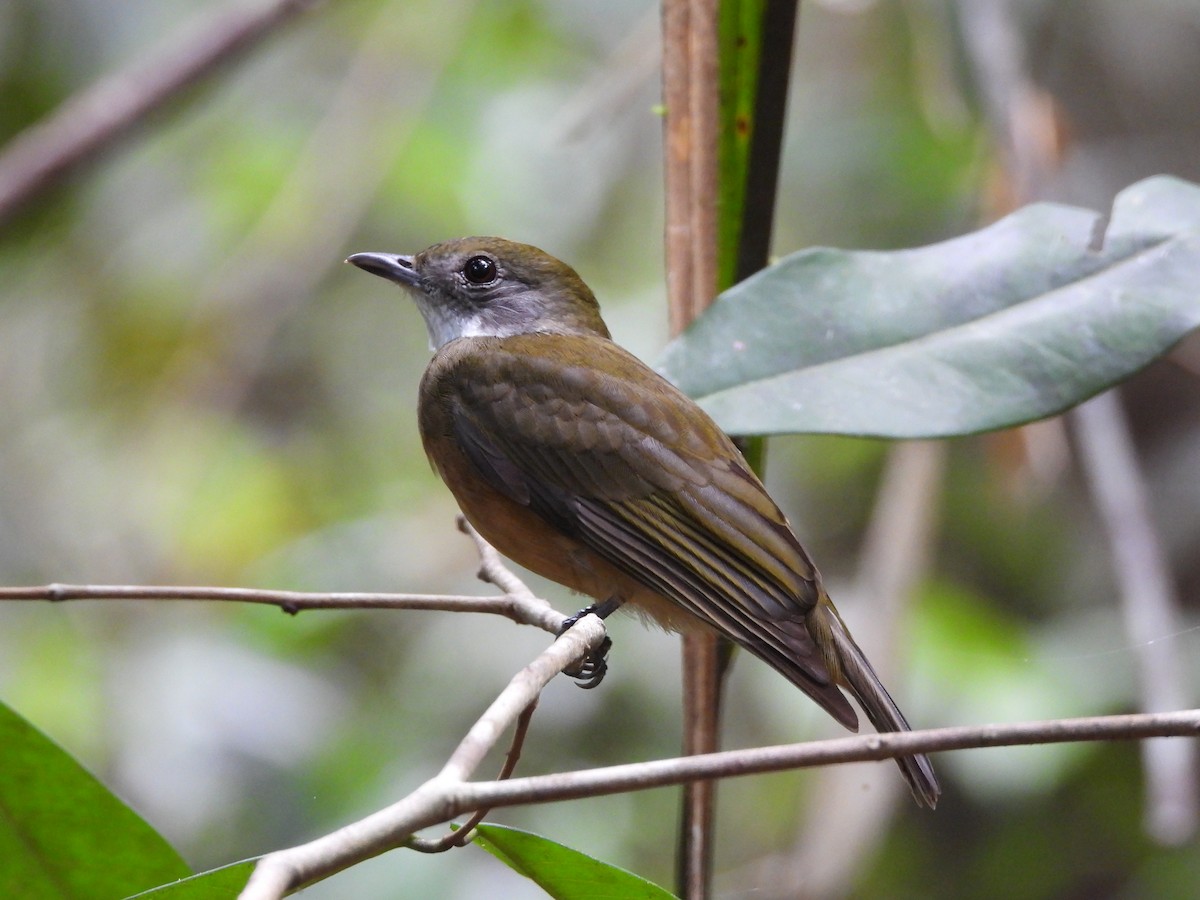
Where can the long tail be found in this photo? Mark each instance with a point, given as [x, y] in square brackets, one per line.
[879, 706]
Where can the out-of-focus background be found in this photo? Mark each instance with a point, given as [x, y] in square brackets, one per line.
[194, 389]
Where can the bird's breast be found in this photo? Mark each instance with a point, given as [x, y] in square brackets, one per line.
[511, 526]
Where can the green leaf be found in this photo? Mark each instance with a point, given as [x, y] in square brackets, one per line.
[1012, 323]
[740, 35]
[561, 872]
[62, 833]
[755, 40]
[215, 884]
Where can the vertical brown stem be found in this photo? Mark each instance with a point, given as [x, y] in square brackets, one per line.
[677, 140]
[690, 95]
[690, 98]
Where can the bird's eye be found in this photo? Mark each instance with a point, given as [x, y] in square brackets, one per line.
[480, 270]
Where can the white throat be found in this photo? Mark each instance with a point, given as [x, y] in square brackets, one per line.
[445, 327]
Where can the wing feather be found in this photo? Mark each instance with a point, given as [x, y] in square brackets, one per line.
[609, 453]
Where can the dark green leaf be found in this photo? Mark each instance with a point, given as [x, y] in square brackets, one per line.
[561, 872]
[1012, 323]
[755, 40]
[216, 884]
[62, 833]
[740, 36]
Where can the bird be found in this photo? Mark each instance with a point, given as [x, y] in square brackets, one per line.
[578, 461]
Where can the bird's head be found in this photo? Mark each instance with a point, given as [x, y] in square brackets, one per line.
[490, 287]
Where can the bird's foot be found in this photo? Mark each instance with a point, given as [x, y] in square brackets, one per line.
[592, 668]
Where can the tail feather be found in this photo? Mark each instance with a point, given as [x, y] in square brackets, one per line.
[881, 709]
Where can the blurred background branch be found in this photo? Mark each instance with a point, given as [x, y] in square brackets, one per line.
[1026, 123]
[88, 122]
[895, 556]
[1148, 604]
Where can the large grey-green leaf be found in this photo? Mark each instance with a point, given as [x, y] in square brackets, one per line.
[1021, 320]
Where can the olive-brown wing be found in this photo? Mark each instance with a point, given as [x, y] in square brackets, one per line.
[606, 451]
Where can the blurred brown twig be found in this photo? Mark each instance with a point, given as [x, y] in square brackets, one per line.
[516, 602]
[96, 116]
[1025, 122]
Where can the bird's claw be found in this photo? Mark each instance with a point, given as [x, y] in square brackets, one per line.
[590, 671]
[592, 668]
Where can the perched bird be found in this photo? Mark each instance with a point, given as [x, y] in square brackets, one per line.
[578, 461]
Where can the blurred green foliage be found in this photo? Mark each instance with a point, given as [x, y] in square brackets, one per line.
[196, 391]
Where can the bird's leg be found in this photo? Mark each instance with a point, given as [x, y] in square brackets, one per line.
[591, 670]
[603, 610]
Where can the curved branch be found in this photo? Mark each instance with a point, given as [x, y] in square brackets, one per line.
[463, 835]
[444, 796]
[437, 800]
